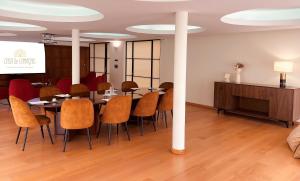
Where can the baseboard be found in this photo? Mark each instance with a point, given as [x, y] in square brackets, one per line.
[200, 105]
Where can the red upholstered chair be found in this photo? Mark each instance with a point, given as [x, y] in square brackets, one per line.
[101, 79]
[22, 89]
[91, 76]
[64, 85]
[90, 81]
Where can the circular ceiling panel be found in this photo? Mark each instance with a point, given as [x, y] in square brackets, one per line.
[42, 11]
[7, 34]
[107, 35]
[264, 17]
[13, 26]
[161, 29]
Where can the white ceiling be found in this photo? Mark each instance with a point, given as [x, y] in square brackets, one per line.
[120, 14]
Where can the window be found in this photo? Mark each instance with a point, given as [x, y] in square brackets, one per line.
[99, 59]
[142, 62]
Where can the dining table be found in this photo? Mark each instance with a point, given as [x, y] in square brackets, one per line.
[53, 104]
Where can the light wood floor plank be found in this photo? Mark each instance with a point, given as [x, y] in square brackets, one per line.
[219, 147]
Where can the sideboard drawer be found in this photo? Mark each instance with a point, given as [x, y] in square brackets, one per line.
[250, 91]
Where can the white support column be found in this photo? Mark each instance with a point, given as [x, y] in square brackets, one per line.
[75, 57]
[180, 61]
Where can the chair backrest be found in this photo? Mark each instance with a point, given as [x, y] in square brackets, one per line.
[101, 79]
[147, 105]
[102, 87]
[90, 77]
[22, 89]
[22, 114]
[127, 85]
[47, 93]
[117, 110]
[79, 90]
[64, 85]
[166, 85]
[166, 102]
[77, 114]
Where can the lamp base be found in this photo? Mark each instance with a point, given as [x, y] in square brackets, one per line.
[282, 80]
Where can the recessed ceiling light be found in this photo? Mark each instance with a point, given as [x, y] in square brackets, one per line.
[161, 29]
[45, 11]
[8, 34]
[264, 17]
[65, 38]
[107, 35]
[13, 26]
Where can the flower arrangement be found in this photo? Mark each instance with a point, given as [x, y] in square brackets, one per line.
[238, 66]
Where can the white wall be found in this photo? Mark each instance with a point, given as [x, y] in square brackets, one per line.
[117, 75]
[210, 57]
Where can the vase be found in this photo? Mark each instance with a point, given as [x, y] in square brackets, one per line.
[238, 75]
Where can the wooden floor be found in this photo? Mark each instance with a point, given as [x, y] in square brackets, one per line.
[219, 147]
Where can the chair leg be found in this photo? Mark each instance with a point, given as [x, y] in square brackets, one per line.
[99, 128]
[117, 129]
[127, 131]
[154, 123]
[65, 139]
[49, 132]
[157, 117]
[42, 131]
[109, 133]
[142, 126]
[137, 121]
[18, 136]
[89, 137]
[25, 139]
[166, 121]
[172, 113]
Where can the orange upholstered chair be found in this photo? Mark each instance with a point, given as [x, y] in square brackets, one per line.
[47, 93]
[102, 87]
[166, 85]
[127, 85]
[146, 107]
[79, 90]
[24, 118]
[166, 104]
[77, 114]
[116, 111]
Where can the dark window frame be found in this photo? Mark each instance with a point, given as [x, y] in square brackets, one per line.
[133, 59]
[106, 58]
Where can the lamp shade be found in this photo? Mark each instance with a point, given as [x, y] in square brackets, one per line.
[283, 66]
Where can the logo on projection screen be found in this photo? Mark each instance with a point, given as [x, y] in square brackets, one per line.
[19, 59]
[20, 53]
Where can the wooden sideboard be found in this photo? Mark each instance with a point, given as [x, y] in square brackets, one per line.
[258, 101]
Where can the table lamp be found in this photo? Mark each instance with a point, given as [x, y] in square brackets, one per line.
[283, 67]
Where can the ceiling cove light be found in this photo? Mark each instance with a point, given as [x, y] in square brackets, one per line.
[7, 34]
[264, 17]
[45, 11]
[13, 26]
[107, 35]
[161, 29]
